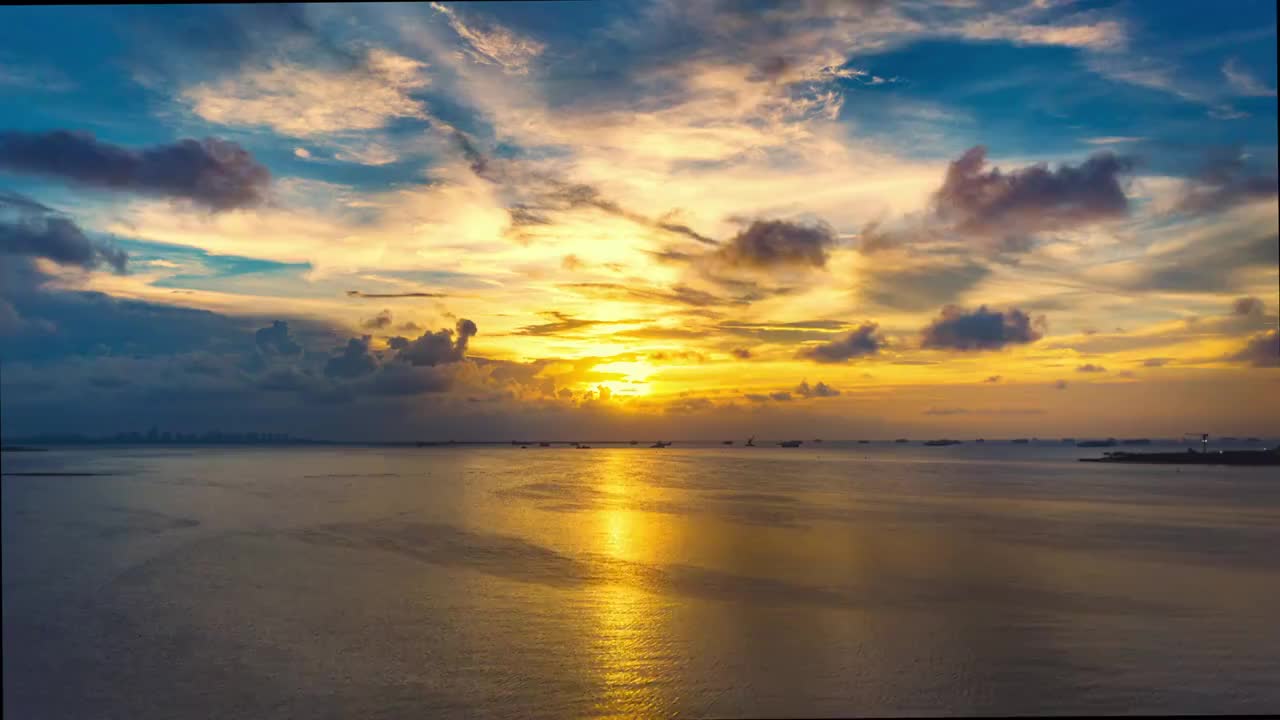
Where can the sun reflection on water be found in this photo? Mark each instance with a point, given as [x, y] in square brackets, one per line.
[628, 645]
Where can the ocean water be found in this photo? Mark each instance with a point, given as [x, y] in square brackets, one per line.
[630, 582]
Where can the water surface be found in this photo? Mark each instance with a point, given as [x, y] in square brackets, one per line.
[688, 581]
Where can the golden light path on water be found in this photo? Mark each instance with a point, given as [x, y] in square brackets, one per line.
[626, 630]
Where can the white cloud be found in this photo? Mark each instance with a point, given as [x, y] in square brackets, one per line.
[1243, 82]
[309, 101]
[496, 45]
[1114, 139]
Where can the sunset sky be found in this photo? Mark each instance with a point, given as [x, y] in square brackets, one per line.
[657, 220]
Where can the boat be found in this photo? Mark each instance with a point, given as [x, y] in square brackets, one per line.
[980, 440]
[726, 442]
[635, 442]
[1194, 457]
[902, 440]
[790, 443]
[660, 444]
[583, 447]
[863, 442]
[1020, 441]
[941, 443]
[1109, 442]
[751, 441]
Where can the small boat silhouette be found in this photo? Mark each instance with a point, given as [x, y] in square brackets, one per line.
[790, 443]
[751, 441]
[660, 444]
[726, 442]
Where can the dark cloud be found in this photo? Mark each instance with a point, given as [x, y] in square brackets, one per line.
[402, 380]
[522, 216]
[359, 294]
[1224, 181]
[681, 294]
[216, 173]
[820, 390]
[671, 356]
[1262, 350]
[992, 379]
[378, 322]
[1091, 368]
[921, 286]
[475, 159]
[781, 396]
[860, 342]
[275, 340]
[31, 229]
[1248, 306]
[435, 348]
[956, 328]
[774, 243]
[562, 324]
[1213, 266]
[1156, 362]
[576, 195]
[977, 200]
[756, 397]
[741, 353]
[353, 361]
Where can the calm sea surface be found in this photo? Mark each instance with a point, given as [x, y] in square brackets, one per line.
[688, 581]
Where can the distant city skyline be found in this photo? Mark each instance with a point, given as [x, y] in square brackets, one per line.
[650, 219]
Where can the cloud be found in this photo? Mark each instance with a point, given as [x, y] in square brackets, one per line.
[772, 243]
[781, 396]
[494, 45]
[1091, 368]
[312, 102]
[215, 173]
[1224, 181]
[1248, 306]
[741, 353]
[276, 340]
[1060, 384]
[820, 390]
[353, 361]
[919, 284]
[956, 328]
[1114, 139]
[992, 379]
[562, 323]
[1156, 362]
[1243, 82]
[37, 231]
[860, 342]
[1099, 35]
[359, 294]
[577, 195]
[378, 322]
[989, 202]
[1261, 350]
[435, 348]
[402, 380]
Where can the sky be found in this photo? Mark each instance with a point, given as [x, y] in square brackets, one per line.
[658, 219]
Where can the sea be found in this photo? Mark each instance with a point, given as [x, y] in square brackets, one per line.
[833, 579]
